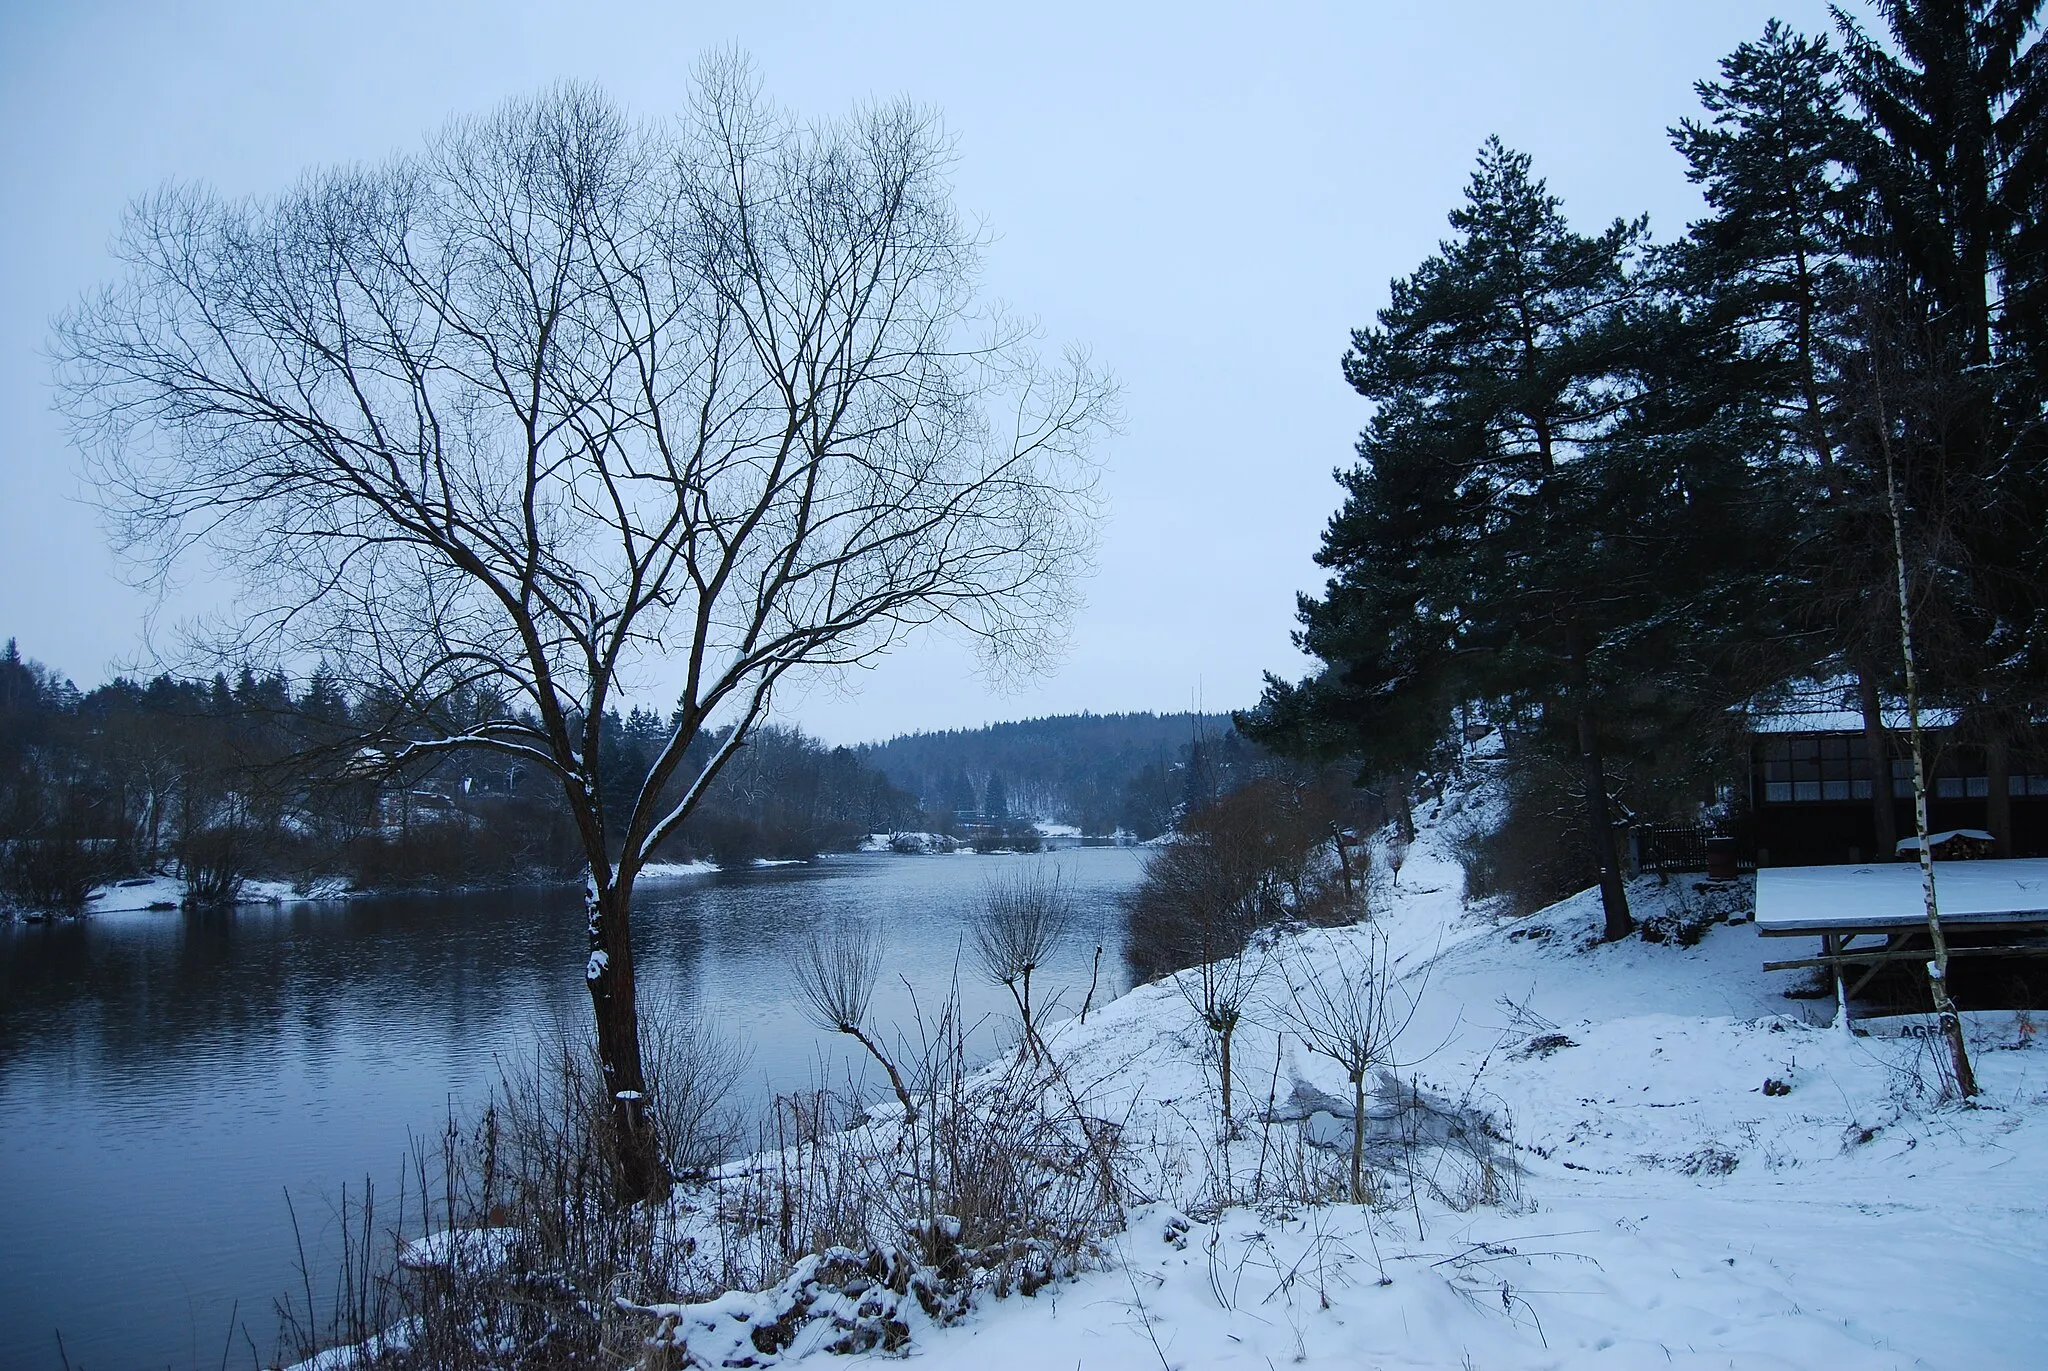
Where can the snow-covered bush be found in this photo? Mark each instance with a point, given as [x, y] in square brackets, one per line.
[845, 1228]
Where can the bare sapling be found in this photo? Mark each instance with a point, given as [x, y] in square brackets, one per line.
[1018, 927]
[1937, 965]
[1346, 1005]
[835, 979]
[1218, 992]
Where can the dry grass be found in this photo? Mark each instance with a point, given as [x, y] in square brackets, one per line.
[999, 1180]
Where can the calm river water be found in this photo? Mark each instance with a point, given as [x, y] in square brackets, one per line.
[166, 1079]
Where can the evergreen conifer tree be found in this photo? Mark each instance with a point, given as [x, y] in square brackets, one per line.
[1949, 154]
[1474, 556]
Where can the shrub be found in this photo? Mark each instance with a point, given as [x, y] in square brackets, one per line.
[526, 1249]
[1260, 854]
[1017, 927]
[1000, 1182]
[55, 873]
[1540, 851]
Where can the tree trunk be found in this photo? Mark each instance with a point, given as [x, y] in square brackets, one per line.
[1613, 895]
[1226, 1036]
[1877, 743]
[1358, 1138]
[1937, 967]
[609, 976]
[1998, 795]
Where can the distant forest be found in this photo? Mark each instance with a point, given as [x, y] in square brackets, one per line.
[224, 780]
[1098, 772]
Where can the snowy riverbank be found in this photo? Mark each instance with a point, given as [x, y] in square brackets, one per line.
[164, 893]
[1668, 1210]
[1638, 1154]
[1653, 1203]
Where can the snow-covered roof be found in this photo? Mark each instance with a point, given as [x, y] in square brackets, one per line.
[1831, 706]
[1935, 840]
[1815, 899]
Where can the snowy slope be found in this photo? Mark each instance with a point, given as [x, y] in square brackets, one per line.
[1666, 1211]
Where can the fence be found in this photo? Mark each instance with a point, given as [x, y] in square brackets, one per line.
[1679, 849]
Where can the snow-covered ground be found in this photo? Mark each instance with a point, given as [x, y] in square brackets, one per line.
[1656, 1206]
[928, 844]
[911, 843]
[166, 892]
[666, 871]
[1628, 1155]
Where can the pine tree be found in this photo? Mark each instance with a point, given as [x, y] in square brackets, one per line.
[1769, 275]
[1769, 264]
[1950, 156]
[1483, 550]
[1949, 147]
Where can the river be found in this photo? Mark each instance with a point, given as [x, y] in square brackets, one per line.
[167, 1078]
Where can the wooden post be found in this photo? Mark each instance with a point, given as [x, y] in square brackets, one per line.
[1998, 790]
[1877, 743]
[1831, 944]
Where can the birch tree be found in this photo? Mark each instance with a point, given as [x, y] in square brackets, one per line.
[565, 398]
[1881, 427]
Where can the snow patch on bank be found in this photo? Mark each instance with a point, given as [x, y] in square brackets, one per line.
[669, 871]
[162, 892]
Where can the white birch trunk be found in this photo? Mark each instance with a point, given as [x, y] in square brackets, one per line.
[1937, 967]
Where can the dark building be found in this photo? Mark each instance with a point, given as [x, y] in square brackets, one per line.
[1814, 786]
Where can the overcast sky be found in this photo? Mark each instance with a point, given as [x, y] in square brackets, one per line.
[1208, 197]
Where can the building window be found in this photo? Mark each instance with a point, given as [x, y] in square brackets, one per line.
[1805, 770]
[1946, 787]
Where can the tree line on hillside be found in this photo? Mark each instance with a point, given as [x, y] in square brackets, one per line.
[225, 780]
[1611, 489]
[1099, 772]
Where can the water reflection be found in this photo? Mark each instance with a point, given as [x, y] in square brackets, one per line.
[166, 1078]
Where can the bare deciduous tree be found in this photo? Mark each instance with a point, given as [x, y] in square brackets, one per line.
[563, 394]
[1881, 426]
[1346, 1005]
[1218, 991]
[1195, 913]
[1242, 864]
